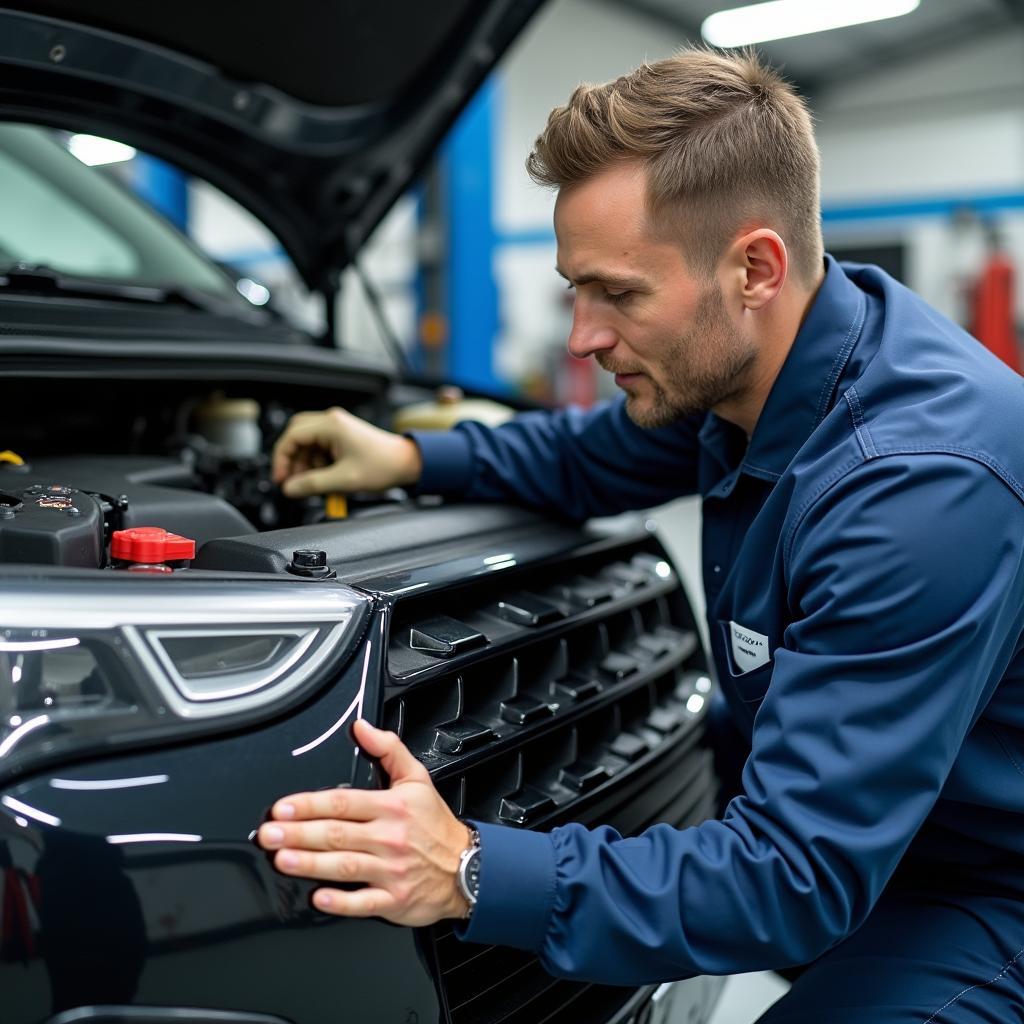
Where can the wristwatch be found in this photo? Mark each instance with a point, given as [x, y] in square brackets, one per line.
[469, 869]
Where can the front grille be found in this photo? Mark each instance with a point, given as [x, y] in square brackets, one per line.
[489, 984]
[572, 692]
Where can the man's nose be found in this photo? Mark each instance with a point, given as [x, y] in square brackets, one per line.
[589, 335]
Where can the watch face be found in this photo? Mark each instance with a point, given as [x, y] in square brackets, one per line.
[473, 873]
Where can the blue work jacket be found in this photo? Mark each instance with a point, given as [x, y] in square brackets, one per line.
[865, 591]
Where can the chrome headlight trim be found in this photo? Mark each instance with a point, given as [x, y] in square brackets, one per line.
[250, 690]
[125, 622]
[233, 684]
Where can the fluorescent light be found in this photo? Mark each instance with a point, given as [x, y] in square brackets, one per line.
[782, 19]
[93, 150]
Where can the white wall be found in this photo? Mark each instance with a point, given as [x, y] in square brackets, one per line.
[949, 125]
[568, 42]
[389, 260]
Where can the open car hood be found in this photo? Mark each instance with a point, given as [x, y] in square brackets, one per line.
[314, 114]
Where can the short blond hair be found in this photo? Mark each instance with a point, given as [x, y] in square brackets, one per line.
[725, 141]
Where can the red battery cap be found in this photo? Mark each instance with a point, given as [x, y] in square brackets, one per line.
[151, 544]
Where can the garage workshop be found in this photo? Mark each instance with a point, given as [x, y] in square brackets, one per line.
[512, 512]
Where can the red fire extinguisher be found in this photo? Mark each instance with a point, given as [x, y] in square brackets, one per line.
[993, 314]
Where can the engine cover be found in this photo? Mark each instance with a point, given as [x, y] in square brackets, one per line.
[61, 511]
[51, 524]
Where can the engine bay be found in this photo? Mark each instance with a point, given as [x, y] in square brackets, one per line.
[197, 466]
[65, 510]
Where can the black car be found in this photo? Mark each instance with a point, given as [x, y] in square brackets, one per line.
[179, 645]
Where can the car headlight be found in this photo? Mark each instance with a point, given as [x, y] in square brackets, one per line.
[89, 665]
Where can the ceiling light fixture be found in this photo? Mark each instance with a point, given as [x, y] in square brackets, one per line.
[782, 19]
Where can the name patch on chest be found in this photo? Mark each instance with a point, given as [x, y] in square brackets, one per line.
[749, 649]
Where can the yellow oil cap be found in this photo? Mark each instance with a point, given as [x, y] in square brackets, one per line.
[336, 506]
[12, 458]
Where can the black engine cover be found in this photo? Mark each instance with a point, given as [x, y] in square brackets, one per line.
[51, 524]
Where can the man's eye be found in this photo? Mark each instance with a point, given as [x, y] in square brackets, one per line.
[617, 298]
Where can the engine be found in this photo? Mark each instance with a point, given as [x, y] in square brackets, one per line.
[65, 511]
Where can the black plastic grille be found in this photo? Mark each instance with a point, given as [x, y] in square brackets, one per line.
[572, 692]
[487, 984]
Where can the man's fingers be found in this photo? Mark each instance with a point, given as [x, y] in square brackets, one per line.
[308, 435]
[343, 802]
[361, 903]
[280, 461]
[296, 437]
[312, 481]
[334, 867]
[330, 834]
[395, 757]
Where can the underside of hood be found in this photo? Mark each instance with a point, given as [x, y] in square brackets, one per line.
[314, 114]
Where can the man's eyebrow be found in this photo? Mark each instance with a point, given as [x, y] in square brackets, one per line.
[606, 277]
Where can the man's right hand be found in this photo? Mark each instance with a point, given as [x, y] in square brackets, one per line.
[334, 451]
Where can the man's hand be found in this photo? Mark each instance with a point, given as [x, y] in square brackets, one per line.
[322, 452]
[403, 843]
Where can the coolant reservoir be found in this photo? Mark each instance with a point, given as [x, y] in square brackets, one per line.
[232, 424]
[450, 406]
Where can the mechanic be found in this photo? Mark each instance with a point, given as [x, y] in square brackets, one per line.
[861, 464]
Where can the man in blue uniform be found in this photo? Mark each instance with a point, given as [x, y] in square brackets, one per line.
[861, 462]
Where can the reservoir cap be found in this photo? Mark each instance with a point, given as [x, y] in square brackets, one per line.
[151, 544]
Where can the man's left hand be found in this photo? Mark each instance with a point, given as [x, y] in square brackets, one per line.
[403, 842]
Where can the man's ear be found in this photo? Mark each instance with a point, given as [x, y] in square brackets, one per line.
[761, 264]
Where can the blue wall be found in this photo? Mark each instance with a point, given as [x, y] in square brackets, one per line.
[472, 300]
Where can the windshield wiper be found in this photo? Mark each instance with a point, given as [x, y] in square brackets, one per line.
[39, 279]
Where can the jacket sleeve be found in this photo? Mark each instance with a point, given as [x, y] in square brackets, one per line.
[908, 587]
[575, 463]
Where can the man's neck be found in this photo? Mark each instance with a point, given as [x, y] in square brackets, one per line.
[776, 334]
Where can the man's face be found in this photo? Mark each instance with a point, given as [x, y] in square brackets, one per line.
[639, 309]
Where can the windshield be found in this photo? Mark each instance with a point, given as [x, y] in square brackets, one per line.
[60, 213]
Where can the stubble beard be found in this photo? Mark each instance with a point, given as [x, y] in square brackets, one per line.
[701, 369]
